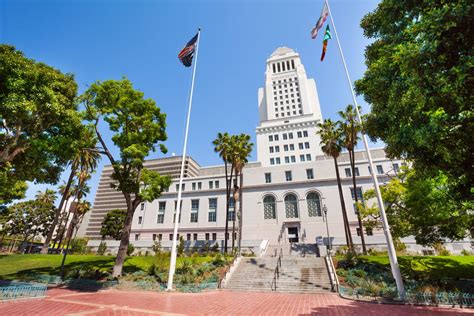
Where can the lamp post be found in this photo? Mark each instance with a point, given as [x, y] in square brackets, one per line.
[325, 210]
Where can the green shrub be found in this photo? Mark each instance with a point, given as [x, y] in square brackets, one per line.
[353, 280]
[215, 248]
[341, 272]
[465, 252]
[156, 247]
[400, 247]
[369, 287]
[358, 273]
[218, 260]
[79, 246]
[102, 248]
[180, 249]
[441, 249]
[185, 267]
[130, 249]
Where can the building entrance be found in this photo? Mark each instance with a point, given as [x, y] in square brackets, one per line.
[293, 234]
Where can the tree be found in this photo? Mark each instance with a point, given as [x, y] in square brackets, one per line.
[113, 223]
[82, 209]
[241, 147]
[138, 127]
[222, 146]
[84, 160]
[420, 206]
[350, 128]
[39, 122]
[419, 83]
[331, 145]
[29, 219]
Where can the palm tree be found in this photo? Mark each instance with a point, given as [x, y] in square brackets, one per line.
[86, 158]
[350, 129]
[81, 210]
[331, 145]
[222, 145]
[46, 197]
[241, 147]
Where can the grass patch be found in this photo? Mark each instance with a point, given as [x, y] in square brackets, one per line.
[20, 267]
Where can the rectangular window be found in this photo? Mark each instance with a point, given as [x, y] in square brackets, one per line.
[277, 149]
[160, 237]
[180, 211]
[370, 170]
[290, 135]
[171, 236]
[288, 176]
[302, 158]
[193, 186]
[137, 236]
[358, 231]
[348, 172]
[216, 184]
[214, 236]
[194, 211]
[211, 185]
[195, 236]
[212, 215]
[285, 147]
[360, 196]
[301, 146]
[287, 159]
[285, 136]
[292, 64]
[305, 133]
[299, 134]
[308, 157]
[154, 237]
[309, 174]
[231, 216]
[140, 219]
[292, 147]
[274, 69]
[276, 138]
[271, 149]
[396, 168]
[161, 212]
[268, 178]
[207, 236]
[379, 169]
[177, 187]
[356, 171]
[277, 160]
[293, 159]
[270, 138]
[142, 206]
[369, 231]
[199, 185]
[188, 236]
[272, 161]
[306, 145]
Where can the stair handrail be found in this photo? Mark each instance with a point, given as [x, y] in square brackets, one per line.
[276, 272]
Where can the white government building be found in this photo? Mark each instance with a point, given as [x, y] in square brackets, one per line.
[284, 190]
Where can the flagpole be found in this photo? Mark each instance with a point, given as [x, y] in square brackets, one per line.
[388, 236]
[181, 175]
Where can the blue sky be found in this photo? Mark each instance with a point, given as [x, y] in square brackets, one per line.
[140, 39]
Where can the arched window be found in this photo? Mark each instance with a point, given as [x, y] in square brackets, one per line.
[314, 204]
[291, 206]
[269, 207]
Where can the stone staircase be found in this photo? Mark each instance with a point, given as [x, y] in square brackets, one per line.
[301, 271]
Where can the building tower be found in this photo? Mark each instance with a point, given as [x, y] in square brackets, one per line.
[289, 111]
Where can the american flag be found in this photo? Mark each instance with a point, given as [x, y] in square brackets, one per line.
[187, 53]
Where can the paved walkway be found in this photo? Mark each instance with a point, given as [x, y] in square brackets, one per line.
[115, 302]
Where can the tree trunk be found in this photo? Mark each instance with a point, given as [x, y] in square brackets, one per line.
[125, 240]
[45, 248]
[66, 226]
[362, 238]
[228, 184]
[240, 209]
[349, 242]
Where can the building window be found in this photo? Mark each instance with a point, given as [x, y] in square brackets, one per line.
[276, 138]
[231, 216]
[194, 211]
[291, 206]
[348, 172]
[356, 171]
[188, 237]
[277, 149]
[314, 204]
[302, 158]
[269, 207]
[272, 161]
[193, 186]
[396, 168]
[288, 176]
[285, 136]
[293, 159]
[140, 219]
[369, 231]
[358, 231]
[292, 147]
[270, 138]
[301, 146]
[180, 211]
[182, 187]
[160, 237]
[137, 236]
[142, 206]
[306, 145]
[308, 157]
[161, 212]
[212, 215]
[211, 185]
[287, 159]
[216, 184]
[305, 133]
[309, 174]
[299, 134]
[360, 196]
[379, 169]
[207, 236]
[290, 135]
[268, 178]
[271, 149]
[285, 147]
[195, 236]
[154, 237]
[277, 160]
[214, 236]
[199, 185]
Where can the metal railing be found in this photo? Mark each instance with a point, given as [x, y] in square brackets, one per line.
[276, 272]
[22, 290]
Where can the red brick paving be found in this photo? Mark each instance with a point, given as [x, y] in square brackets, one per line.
[115, 302]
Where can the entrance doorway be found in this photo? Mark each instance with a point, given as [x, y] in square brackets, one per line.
[293, 234]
